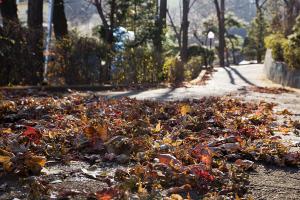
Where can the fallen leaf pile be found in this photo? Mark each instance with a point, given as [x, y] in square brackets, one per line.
[270, 90]
[170, 150]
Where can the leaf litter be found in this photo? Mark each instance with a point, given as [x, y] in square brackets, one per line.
[130, 149]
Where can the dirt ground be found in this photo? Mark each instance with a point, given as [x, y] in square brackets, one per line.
[275, 183]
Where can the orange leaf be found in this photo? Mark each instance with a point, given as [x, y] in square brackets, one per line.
[6, 163]
[102, 131]
[185, 109]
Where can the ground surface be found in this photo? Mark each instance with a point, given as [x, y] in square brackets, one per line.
[237, 81]
[68, 123]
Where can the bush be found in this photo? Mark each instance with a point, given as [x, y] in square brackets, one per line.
[292, 55]
[77, 60]
[18, 64]
[173, 69]
[276, 43]
[196, 50]
[292, 48]
[134, 65]
[193, 67]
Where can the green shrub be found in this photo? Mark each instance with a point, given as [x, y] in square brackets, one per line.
[135, 65]
[77, 60]
[173, 69]
[193, 67]
[18, 64]
[196, 50]
[292, 55]
[292, 48]
[276, 43]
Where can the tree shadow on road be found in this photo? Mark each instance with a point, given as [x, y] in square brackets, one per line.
[168, 94]
[241, 76]
[232, 81]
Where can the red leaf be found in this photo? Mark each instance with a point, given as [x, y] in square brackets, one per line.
[32, 134]
[200, 172]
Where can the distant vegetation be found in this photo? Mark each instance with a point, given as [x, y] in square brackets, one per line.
[168, 43]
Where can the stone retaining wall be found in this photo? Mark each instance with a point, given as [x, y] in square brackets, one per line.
[278, 72]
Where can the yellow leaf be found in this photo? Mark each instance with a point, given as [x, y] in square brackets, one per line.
[167, 140]
[40, 160]
[237, 197]
[6, 163]
[6, 153]
[84, 119]
[177, 143]
[6, 131]
[185, 109]
[35, 163]
[176, 197]
[189, 196]
[158, 127]
[141, 190]
[8, 166]
[4, 159]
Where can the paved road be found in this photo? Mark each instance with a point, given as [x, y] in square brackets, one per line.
[225, 81]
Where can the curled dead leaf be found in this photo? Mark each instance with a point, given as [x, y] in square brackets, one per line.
[245, 164]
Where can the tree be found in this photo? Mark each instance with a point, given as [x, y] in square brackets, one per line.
[220, 8]
[292, 10]
[185, 30]
[231, 21]
[259, 29]
[108, 20]
[161, 23]
[59, 20]
[182, 32]
[35, 39]
[9, 13]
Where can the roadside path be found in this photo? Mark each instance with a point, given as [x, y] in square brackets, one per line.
[225, 81]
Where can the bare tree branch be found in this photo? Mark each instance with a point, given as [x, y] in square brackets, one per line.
[178, 34]
[98, 4]
[192, 4]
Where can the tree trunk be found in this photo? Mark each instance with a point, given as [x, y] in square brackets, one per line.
[158, 40]
[35, 38]
[108, 36]
[261, 31]
[220, 7]
[59, 20]
[233, 52]
[9, 13]
[185, 29]
[110, 39]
